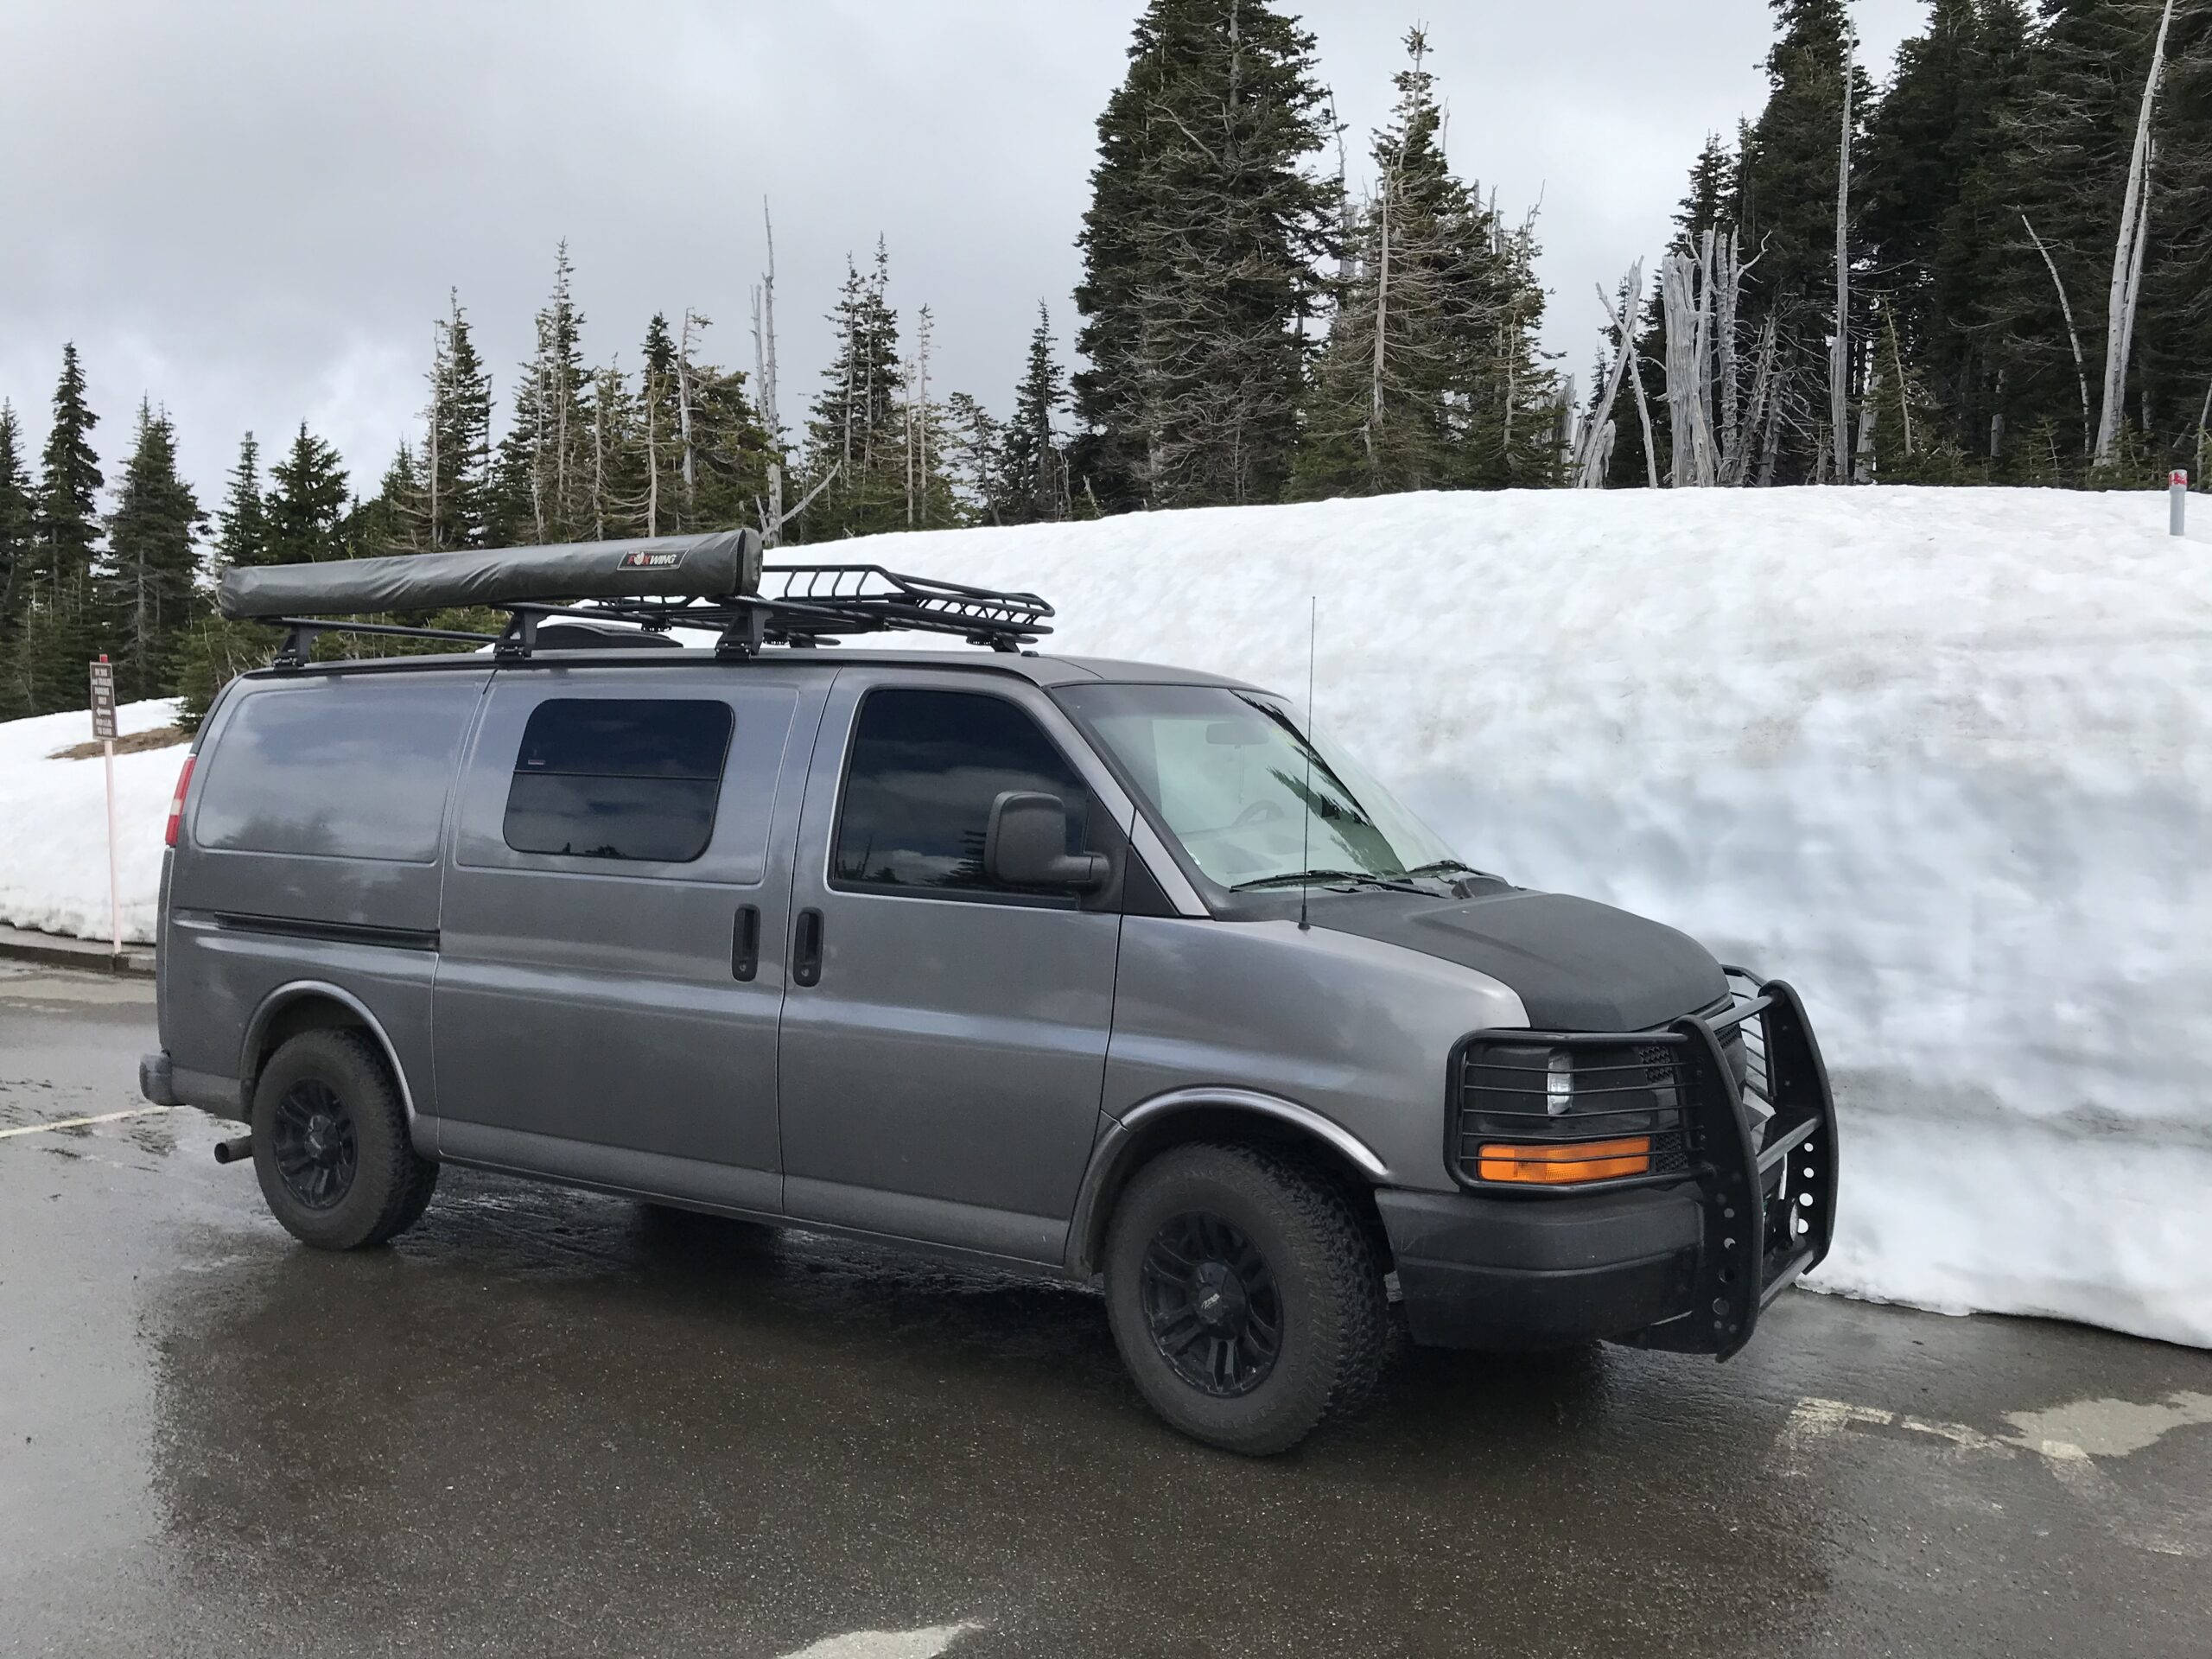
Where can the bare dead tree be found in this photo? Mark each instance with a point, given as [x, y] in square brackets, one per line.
[692, 320]
[652, 452]
[1643, 414]
[1599, 432]
[1839, 354]
[1736, 463]
[2073, 333]
[1684, 305]
[764, 374]
[2127, 251]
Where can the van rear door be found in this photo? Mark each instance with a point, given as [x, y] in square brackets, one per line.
[612, 973]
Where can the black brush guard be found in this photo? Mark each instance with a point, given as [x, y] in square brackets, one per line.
[1767, 1190]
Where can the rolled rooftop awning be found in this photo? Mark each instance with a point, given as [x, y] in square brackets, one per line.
[721, 565]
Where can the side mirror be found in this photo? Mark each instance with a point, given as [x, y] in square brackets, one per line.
[1026, 846]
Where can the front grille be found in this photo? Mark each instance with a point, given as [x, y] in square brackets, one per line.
[1626, 1090]
[1502, 1093]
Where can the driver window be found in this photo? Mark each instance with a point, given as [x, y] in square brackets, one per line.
[924, 769]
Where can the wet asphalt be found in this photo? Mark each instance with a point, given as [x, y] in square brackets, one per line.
[548, 1422]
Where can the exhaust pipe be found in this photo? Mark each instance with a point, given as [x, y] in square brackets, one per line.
[234, 1152]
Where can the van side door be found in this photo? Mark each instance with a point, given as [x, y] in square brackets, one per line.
[616, 900]
[944, 1039]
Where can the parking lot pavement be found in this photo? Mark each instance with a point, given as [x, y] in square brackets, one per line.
[554, 1423]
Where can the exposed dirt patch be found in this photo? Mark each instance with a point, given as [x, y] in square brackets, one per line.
[161, 737]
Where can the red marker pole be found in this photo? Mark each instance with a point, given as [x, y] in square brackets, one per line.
[2177, 494]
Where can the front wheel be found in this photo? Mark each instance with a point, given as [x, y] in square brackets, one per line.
[1246, 1298]
[330, 1144]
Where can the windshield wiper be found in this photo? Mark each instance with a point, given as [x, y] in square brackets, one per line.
[1323, 878]
[1449, 866]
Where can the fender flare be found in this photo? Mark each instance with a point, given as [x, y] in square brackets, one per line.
[292, 991]
[1119, 1137]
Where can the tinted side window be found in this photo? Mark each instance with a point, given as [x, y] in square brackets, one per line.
[618, 777]
[353, 766]
[925, 768]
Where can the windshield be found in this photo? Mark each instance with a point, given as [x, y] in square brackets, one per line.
[1232, 778]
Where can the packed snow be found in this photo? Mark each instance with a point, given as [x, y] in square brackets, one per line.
[1941, 758]
[54, 823]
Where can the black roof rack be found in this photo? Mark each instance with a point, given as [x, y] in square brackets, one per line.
[714, 582]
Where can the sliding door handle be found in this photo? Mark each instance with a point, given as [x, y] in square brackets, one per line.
[806, 951]
[745, 943]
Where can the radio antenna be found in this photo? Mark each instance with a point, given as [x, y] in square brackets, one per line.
[1305, 846]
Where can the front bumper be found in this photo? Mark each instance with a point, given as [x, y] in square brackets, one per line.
[1685, 1262]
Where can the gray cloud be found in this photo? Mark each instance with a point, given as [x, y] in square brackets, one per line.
[250, 210]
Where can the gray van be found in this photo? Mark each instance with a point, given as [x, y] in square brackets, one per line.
[1090, 969]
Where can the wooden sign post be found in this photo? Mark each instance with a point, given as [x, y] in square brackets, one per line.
[104, 729]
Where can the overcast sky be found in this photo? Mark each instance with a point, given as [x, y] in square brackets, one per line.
[251, 210]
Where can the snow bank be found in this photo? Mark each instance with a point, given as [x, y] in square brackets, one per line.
[54, 823]
[1941, 758]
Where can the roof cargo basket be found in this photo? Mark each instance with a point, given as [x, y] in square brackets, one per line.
[715, 582]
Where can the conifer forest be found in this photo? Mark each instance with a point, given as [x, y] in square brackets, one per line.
[1991, 266]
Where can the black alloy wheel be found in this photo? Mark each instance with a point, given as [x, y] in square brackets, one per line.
[332, 1146]
[317, 1150]
[1212, 1305]
[1245, 1294]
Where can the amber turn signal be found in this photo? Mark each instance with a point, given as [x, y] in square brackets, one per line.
[1568, 1162]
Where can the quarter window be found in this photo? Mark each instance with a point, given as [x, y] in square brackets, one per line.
[924, 769]
[619, 778]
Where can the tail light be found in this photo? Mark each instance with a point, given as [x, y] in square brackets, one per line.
[176, 802]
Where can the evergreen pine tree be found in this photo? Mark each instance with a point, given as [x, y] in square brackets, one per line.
[212, 650]
[1198, 259]
[242, 522]
[16, 548]
[1031, 473]
[153, 561]
[1788, 197]
[455, 458]
[659, 431]
[1930, 216]
[539, 474]
[1432, 378]
[2064, 149]
[855, 436]
[732, 448]
[307, 503]
[974, 441]
[63, 632]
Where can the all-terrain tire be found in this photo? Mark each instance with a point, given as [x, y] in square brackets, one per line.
[382, 1186]
[1325, 1277]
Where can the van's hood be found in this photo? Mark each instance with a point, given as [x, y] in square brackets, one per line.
[1576, 965]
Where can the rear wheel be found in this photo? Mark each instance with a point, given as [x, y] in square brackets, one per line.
[1246, 1298]
[331, 1147]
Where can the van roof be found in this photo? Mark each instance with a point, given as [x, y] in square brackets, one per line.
[1041, 670]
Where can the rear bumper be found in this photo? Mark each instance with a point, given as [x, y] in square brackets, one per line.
[165, 1082]
[1684, 1262]
[158, 1078]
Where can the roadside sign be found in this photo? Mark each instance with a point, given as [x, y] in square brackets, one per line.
[104, 699]
[104, 729]
[2177, 493]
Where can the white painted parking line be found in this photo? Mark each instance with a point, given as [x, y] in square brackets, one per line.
[84, 1122]
[925, 1643]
